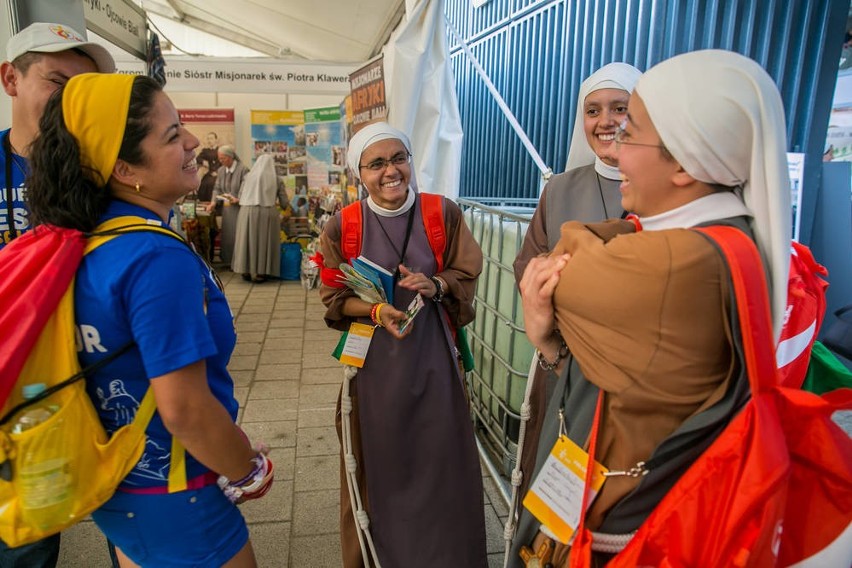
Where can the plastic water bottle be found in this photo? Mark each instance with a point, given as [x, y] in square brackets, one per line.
[43, 477]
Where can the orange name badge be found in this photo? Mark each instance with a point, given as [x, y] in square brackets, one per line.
[556, 495]
[357, 344]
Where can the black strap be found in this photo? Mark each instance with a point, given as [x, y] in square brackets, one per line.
[70, 380]
[7, 150]
[405, 242]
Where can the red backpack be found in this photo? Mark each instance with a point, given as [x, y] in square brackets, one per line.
[351, 223]
[776, 487]
[803, 316]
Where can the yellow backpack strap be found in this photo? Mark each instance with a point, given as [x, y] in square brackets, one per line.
[116, 226]
[177, 467]
[145, 411]
[103, 233]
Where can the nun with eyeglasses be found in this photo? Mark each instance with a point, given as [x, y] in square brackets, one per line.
[644, 306]
[411, 487]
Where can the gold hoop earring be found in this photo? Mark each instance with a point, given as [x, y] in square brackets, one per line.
[137, 187]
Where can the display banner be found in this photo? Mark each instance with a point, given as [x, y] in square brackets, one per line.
[213, 127]
[326, 152]
[200, 74]
[324, 140]
[282, 134]
[367, 86]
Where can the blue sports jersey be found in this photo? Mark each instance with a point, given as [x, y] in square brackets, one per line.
[154, 290]
[20, 214]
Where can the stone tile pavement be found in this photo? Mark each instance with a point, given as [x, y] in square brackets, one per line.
[287, 385]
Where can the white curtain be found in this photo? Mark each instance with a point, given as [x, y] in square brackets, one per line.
[421, 96]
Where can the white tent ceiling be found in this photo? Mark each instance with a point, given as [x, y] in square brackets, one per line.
[340, 31]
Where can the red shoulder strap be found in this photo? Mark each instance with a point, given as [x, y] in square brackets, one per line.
[432, 208]
[752, 296]
[350, 230]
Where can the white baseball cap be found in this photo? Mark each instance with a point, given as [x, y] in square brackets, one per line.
[44, 37]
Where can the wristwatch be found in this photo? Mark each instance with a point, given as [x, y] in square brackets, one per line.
[439, 295]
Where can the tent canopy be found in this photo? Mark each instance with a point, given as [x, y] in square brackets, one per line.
[317, 30]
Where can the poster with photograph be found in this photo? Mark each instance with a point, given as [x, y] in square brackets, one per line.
[324, 146]
[350, 178]
[282, 134]
[325, 149]
[213, 127]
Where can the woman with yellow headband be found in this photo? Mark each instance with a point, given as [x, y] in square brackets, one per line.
[112, 146]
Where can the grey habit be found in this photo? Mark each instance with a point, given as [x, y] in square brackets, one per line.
[581, 194]
[257, 246]
[229, 182]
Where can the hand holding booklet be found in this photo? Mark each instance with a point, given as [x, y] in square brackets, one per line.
[385, 278]
[370, 281]
[374, 284]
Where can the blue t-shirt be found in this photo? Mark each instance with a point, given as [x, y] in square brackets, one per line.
[20, 214]
[151, 289]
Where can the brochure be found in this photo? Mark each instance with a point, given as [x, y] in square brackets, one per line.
[370, 281]
[368, 287]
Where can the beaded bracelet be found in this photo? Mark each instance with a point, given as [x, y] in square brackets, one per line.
[375, 314]
[378, 319]
[561, 353]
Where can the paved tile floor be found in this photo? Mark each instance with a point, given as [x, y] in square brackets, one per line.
[287, 385]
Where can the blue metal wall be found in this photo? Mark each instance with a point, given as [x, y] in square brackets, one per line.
[537, 52]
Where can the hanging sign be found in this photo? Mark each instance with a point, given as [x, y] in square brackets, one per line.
[368, 94]
[120, 21]
[249, 75]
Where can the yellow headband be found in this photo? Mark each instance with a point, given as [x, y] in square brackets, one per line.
[95, 108]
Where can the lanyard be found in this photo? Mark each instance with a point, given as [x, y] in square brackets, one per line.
[404, 242]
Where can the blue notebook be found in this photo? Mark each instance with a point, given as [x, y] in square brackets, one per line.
[376, 273]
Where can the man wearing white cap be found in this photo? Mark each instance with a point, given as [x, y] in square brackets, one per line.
[40, 59]
[645, 306]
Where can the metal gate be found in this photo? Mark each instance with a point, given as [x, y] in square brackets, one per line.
[500, 348]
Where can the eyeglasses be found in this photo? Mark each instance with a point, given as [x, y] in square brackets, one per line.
[620, 136]
[380, 164]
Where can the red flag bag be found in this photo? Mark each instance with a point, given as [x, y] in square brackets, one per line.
[55, 473]
[38, 267]
[803, 316]
[775, 488]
